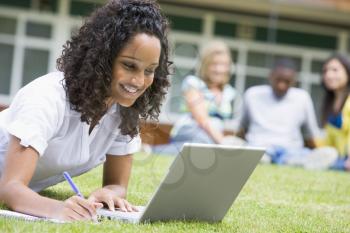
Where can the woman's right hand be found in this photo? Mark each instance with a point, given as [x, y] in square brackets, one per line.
[77, 208]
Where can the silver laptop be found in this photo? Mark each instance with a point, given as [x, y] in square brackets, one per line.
[201, 184]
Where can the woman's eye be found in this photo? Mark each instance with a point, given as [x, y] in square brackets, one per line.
[149, 72]
[128, 66]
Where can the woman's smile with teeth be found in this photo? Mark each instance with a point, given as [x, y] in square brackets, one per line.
[129, 89]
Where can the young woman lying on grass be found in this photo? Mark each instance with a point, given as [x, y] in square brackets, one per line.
[112, 73]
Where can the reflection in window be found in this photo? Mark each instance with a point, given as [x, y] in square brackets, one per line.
[176, 98]
[259, 59]
[254, 81]
[35, 64]
[233, 80]
[82, 8]
[225, 29]
[48, 5]
[186, 50]
[8, 25]
[38, 30]
[16, 3]
[182, 23]
[296, 38]
[234, 55]
[317, 94]
[6, 57]
[316, 66]
[264, 60]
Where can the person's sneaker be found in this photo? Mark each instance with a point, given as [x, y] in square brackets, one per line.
[321, 158]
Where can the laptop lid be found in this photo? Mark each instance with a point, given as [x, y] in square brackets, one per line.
[202, 183]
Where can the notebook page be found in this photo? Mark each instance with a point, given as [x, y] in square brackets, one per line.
[26, 217]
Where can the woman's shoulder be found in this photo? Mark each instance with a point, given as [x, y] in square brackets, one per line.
[259, 90]
[49, 84]
[229, 91]
[49, 79]
[46, 90]
[194, 81]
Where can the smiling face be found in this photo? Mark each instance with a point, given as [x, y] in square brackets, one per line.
[134, 69]
[218, 68]
[334, 75]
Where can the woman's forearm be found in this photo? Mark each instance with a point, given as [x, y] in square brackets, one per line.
[216, 135]
[19, 197]
[198, 109]
[119, 190]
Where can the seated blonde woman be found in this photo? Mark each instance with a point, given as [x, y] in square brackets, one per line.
[208, 101]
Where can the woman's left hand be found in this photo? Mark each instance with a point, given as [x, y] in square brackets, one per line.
[109, 197]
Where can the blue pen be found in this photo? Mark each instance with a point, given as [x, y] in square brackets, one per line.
[76, 190]
[72, 185]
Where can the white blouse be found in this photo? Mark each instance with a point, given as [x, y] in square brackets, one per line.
[41, 117]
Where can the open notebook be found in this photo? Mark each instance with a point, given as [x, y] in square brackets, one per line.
[26, 217]
[101, 214]
[201, 184]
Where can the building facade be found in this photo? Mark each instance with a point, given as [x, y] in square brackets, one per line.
[32, 33]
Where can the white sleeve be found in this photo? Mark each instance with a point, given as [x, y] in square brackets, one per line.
[34, 116]
[192, 82]
[125, 145]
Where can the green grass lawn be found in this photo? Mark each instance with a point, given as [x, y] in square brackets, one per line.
[275, 199]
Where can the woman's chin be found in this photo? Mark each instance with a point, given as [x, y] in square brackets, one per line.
[126, 103]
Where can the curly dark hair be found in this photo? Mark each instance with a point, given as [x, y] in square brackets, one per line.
[87, 61]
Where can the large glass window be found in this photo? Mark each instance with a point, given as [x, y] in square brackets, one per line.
[225, 29]
[265, 60]
[48, 5]
[7, 25]
[184, 49]
[316, 66]
[38, 30]
[283, 36]
[232, 81]
[35, 64]
[16, 3]
[6, 58]
[254, 81]
[176, 100]
[258, 59]
[234, 55]
[188, 24]
[82, 8]
[41, 5]
[317, 94]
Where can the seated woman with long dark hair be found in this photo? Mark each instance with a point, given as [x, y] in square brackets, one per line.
[336, 108]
